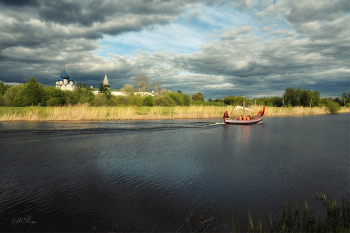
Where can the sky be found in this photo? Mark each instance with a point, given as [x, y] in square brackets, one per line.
[250, 48]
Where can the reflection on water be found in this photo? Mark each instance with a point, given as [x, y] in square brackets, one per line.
[128, 175]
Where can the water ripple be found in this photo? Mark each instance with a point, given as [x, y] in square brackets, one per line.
[126, 176]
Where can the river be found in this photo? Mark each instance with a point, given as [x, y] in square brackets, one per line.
[144, 176]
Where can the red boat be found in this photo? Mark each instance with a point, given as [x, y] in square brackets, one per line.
[254, 119]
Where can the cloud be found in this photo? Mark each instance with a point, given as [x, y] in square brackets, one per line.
[300, 12]
[219, 48]
[286, 60]
[66, 32]
[19, 3]
[220, 86]
[87, 13]
[234, 32]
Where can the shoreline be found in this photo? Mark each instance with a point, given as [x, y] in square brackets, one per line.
[87, 113]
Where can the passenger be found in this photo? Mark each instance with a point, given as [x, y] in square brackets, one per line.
[245, 118]
[226, 115]
[248, 118]
[240, 117]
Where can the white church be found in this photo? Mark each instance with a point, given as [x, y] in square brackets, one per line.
[64, 82]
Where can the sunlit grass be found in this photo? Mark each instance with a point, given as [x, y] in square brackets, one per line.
[86, 112]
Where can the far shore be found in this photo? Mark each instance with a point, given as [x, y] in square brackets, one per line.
[88, 113]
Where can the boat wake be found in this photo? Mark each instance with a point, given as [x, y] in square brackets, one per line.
[221, 123]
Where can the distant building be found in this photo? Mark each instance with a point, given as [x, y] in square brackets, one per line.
[105, 81]
[64, 82]
[116, 92]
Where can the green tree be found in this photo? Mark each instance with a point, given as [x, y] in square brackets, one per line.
[31, 95]
[345, 98]
[122, 100]
[71, 97]
[317, 99]
[20, 99]
[11, 93]
[164, 100]
[2, 89]
[2, 101]
[298, 93]
[306, 98]
[83, 95]
[332, 106]
[136, 100]
[81, 85]
[128, 88]
[164, 91]
[148, 101]
[276, 101]
[52, 102]
[290, 96]
[103, 87]
[100, 100]
[187, 99]
[58, 94]
[236, 100]
[197, 97]
[219, 100]
[177, 97]
[230, 100]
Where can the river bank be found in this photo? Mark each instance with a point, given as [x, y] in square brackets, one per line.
[87, 113]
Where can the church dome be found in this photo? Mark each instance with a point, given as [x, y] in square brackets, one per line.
[70, 79]
[64, 74]
[57, 79]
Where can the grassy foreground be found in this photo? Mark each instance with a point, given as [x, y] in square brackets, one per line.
[85, 112]
[301, 218]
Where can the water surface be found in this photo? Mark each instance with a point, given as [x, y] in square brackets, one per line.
[152, 175]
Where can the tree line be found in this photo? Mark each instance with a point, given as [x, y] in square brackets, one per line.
[35, 94]
[291, 98]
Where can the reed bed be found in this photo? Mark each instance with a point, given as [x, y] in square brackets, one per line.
[295, 111]
[302, 219]
[86, 113]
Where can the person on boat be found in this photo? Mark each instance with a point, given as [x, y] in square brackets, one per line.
[245, 118]
[248, 118]
[240, 117]
[226, 115]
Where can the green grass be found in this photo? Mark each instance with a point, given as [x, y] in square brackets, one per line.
[204, 103]
[302, 219]
[20, 110]
[143, 110]
[297, 219]
[23, 110]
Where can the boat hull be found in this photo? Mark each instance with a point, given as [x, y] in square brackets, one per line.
[255, 119]
[241, 122]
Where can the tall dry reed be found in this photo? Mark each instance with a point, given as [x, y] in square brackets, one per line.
[26, 114]
[294, 111]
[86, 112]
[76, 113]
